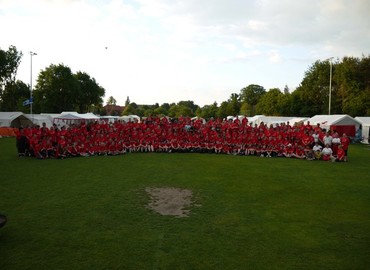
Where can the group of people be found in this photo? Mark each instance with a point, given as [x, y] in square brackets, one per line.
[154, 134]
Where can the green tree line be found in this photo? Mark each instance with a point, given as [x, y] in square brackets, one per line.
[58, 89]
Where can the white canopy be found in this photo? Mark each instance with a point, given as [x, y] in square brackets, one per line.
[365, 123]
[14, 119]
[326, 121]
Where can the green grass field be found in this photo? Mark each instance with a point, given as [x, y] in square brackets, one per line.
[254, 213]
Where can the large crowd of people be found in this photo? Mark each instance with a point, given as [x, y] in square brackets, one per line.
[154, 134]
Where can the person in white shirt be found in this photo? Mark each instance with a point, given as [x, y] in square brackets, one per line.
[317, 148]
[327, 153]
[328, 139]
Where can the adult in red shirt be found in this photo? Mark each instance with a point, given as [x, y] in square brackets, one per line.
[345, 141]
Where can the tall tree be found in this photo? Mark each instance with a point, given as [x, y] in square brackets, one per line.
[208, 111]
[13, 96]
[190, 104]
[314, 90]
[234, 105]
[57, 90]
[127, 101]
[251, 95]
[90, 92]
[223, 110]
[269, 104]
[352, 78]
[131, 109]
[9, 62]
[162, 110]
[111, 101]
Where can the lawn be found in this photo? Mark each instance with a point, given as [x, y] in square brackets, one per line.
[248, 213]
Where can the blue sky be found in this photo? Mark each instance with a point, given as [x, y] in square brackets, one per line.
[172, 50]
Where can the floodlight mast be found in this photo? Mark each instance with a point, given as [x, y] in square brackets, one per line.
[330, 79]
[31, 101]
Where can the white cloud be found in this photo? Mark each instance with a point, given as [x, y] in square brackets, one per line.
[167, 50]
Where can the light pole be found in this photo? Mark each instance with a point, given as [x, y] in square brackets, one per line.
[331, 72]
[31, 101]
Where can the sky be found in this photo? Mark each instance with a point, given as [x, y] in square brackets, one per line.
[165, 51]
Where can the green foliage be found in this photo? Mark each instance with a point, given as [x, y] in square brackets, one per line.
[234, 105]
[127, 102]
[131, 109]
[208, 111]
[251, 95]
[9, 62]
[90, 92]
[13, 96]
[350, 88]
[189, 104]
[223, 110]
[58, 89]
[180, 110]
[270, 103]
[112, 101]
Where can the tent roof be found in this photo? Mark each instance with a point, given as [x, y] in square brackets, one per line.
[76, 116]
[9, 115]
[335, 119]
[14, 119]
[365, 121]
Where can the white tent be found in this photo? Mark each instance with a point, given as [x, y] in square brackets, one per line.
[14, 119]
[342, 123]
[297, 120]
[365, 123]
[270, 120]
[255, 119]
[68, 118]
[38, 119]
[128, 118]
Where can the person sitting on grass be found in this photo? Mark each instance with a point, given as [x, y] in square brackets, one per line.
[317, 148]
[327, 153]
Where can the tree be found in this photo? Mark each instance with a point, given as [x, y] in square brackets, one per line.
[233, 107]
[90, 92]
[57, 90]
[131, 109]
[251, 95]
[162, 110]
[313, 92]
[127, 101]
[352, 78]
[13, 96]
[208, 111]
[269, 104]
[190, 104]
[223, 110]
[177, 110]
[9, 62]
[111, 101]
[286, 90]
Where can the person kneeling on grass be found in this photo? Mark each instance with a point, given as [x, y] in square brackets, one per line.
[341, 154]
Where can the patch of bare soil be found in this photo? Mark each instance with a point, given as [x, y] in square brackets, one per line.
[170, 201]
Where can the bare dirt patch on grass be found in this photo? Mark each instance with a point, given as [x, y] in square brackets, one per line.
[170, 201]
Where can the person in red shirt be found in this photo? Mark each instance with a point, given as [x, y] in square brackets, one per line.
[345, 141]
[341, 155]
